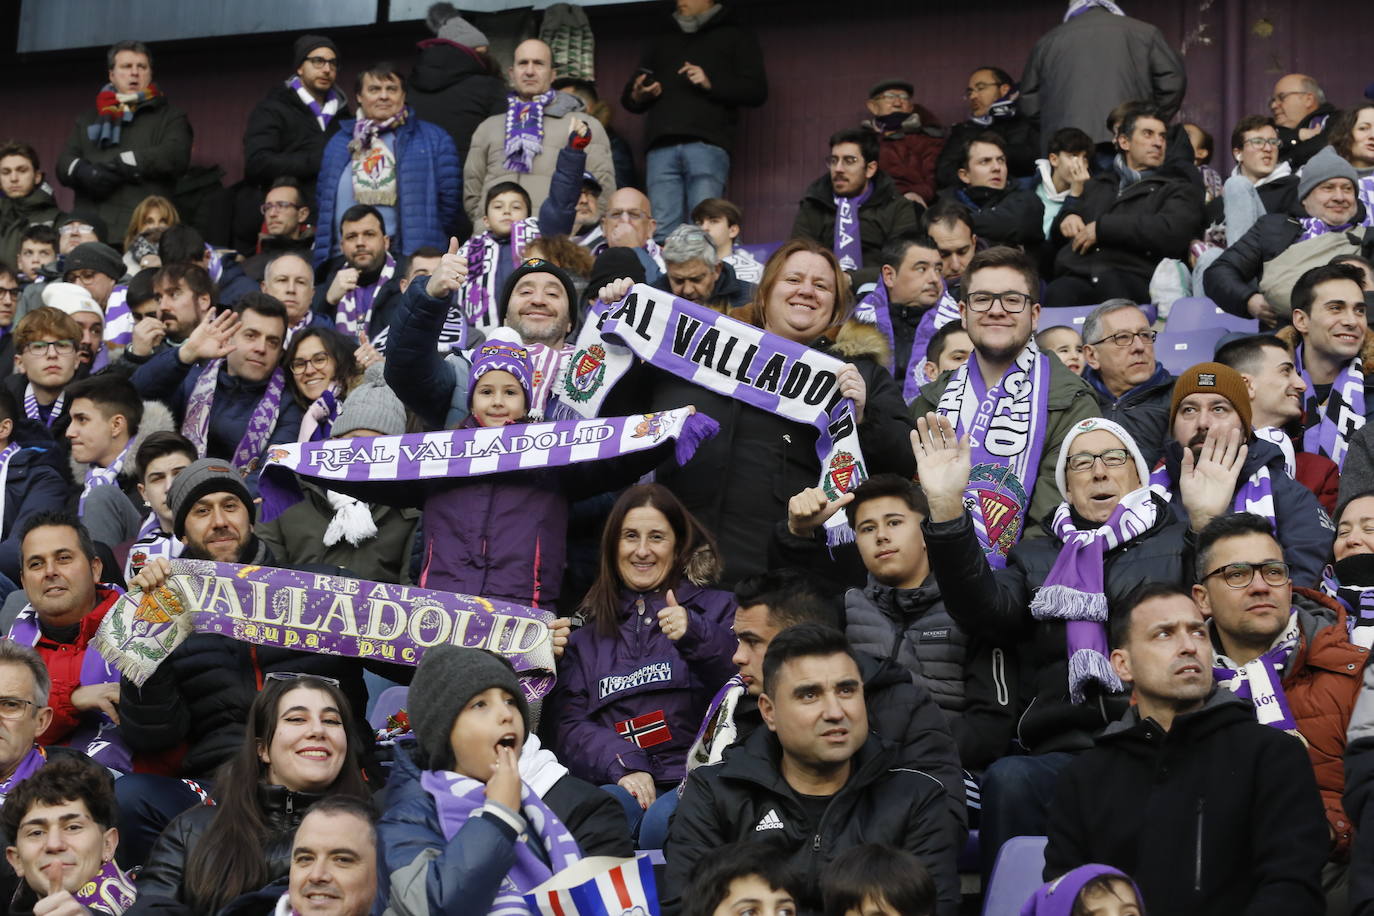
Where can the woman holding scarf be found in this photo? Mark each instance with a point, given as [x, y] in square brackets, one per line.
[741, 481]
[321, 370]
[300, 746]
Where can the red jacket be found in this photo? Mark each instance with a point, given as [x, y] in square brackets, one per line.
[64, 667]
[909, 156]
[1320, 475]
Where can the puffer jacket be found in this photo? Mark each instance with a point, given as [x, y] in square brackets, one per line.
[633, 702]
[1143, 411]
[284, 138]
[973, 681]
[451, 87]
[429, 179]
[421, 874]
[745, 797]
[739, 482]
[994, 605]
[159, 137]
[884, 216]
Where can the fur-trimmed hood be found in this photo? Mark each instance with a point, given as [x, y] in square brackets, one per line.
[849, 340]
[1290, 336]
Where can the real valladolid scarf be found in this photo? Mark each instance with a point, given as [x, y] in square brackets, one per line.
[479, 292]
[876, 310]
[1261, 681]
[323, 111]
[1006, 427]
[848, 246]
[372, 162]
[1342, 415]
[248, 452]
[355, 308]
[525, 130]
[1256, 495]
[728, 357]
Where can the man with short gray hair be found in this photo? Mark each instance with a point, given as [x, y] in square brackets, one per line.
[695, 272]
[1132, 387]
[1303, 116]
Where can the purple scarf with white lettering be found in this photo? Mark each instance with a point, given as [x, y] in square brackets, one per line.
[1075, 590]
[1330, 426]
[323, 112]
[1006, 427]
[1261, 681]
[525, 130]
[457, 798]
[848, 245]
[874, 309]
[355, 308]
[196, 426]
[479, 293]
[110, 892]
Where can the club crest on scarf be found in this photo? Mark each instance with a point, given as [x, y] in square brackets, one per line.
[586, 372]
[844, 471]
[651, 426]
[996, 491]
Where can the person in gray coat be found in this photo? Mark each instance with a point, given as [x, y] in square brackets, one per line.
[1096, 59]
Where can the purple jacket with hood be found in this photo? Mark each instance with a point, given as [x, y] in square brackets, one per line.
[654, 688]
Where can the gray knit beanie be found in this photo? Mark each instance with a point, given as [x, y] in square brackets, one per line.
[446, 680]
[447, 24]
[372, 405]
[1325, 166]
[202, 477]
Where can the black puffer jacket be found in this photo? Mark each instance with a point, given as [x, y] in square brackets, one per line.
[885, 215]
[161, 883]
[1003, 216]
[1143, 411]
[283, 138]
[451, 87]
[995, 606]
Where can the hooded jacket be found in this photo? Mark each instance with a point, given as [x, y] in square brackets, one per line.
[994, 605]
[884, 216]
[1304, 529]
[609, 683]
[452, 87]
[1218, 816]
[429, 177]
[1143, 411]
[729, 55]
[283, 138]
[745, 797]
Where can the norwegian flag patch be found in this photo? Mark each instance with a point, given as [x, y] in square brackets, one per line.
[647, 730]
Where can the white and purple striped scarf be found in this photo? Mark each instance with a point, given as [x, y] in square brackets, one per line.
[1365, 189]
[848, 244]
[1256, 495]
[478, 293]
[102, 477]
[1077, 7]
[196, 425]
[874, 309]
[724, 355]
[1331, 425]
[1075, 590]
[1313, 227]
[1261, 681]
[150, 543]
[457, 798]
[119, 321]
[525, 130]
[34, 411]
[323, 112]
[1006, 427]
[355, 308]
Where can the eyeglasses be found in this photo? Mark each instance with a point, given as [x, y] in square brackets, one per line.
[1240, 575]
[278, 205]
[849, 161]
[43, 347]
[894, 96]
[1111, 458]
[1012, 302]
[330, 62]
[9, 292]
[616, 216]
[1126, 338]
[298, 675]
[318, 361]
[75, 229]
[1280, 96]
[1261, 142]
[978, 87]
[13, 707]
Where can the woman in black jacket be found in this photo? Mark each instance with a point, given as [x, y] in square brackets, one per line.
[301, 745]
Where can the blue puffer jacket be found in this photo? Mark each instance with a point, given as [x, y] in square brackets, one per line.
[639, 673]
[429, 179]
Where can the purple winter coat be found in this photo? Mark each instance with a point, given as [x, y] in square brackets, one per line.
[642, 682]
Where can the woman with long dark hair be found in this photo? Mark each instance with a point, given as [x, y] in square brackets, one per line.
[300, 746]
[635, 682]
[320, 372]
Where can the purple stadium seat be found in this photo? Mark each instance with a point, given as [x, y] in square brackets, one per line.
[1067, 317]
[392, 700]
[1202, 313]
[1015, 875]
[1179, 350]
[762, 251]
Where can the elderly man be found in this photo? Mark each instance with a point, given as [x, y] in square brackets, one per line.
[993, 107]
[522, 145]
[1327, 202]
[1303, 116]
[696, 273]
[1132, 387]
[132, 143]
[389, 159]
[287, 277]
[910, 138]
[629, 223]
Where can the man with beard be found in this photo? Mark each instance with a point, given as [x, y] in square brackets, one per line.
[184, 296]
[354, 280]
[76, 302]
[901, 302]
[1218, 466]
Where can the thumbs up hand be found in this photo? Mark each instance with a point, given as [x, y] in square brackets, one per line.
[450, 274]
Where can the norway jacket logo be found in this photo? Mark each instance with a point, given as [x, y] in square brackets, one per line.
[645, 731]
[770, 821]
[649, 674]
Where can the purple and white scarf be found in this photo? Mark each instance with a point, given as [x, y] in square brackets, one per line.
[1329, 426]
[1006, 427]
[1313, 227]
[151, 542]
[724, 355]
[1256, 495]
[372, 162]
[1364, 188]
[248, 452]
[119, 320]
[1359, 606]
[1075, 590]
[546, 365]
[1261, 681]
[848, 245]
[34, 411]
[1077, 7]
[355, 308]
[320, 415]
[29, 765]
[102, 477]
[457, 798]
[718, 729]
[874, 309]
[1280, 438]
[479, 293]
[323, 111]
[525, 130]
[110, 892]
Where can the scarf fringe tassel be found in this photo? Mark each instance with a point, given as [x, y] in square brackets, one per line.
[695, 430]
[1063, 602]
[1090, 665]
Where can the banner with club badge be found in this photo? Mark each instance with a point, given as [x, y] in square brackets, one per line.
[726, 356]
[599, 886]
[330, 615]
